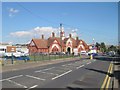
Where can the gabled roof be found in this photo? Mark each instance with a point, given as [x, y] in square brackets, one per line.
[83, 42]
[73, 40]
[40, 43]
[51, 40]
[43, 43]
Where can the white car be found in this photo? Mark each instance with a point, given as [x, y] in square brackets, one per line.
[16, 54]
[83, 53]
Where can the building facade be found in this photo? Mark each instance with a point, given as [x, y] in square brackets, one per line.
[57, 44]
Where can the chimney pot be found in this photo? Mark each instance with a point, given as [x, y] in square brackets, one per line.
[42, 36]
[53, 34]
[70, 35]
[77, 38]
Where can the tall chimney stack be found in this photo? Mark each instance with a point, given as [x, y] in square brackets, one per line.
[70, 35]
[53, 34]
[77, 38]
[42, 36]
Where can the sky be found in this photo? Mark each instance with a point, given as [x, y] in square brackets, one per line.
[22, 21]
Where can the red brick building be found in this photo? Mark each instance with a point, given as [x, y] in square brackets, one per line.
[57, 44]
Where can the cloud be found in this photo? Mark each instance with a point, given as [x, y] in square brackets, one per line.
[71, 31]
[25, 36]
[74, 33]
[35, 32]
[12, 11]
[44, 30]
[21, 34]
[38, 31]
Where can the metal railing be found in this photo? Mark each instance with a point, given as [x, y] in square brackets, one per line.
[34, 58]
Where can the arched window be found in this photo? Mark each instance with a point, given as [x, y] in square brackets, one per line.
[55, 49]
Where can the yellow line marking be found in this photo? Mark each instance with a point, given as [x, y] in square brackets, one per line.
[108, 82]
[105, 80]
[107, 86]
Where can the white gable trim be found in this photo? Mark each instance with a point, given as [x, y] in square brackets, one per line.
[32, 43]
[69, 40]
[81, 46]
[55, 41]
[53, 45]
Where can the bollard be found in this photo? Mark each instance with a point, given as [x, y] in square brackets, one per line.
[12, 60]
[0, 62]
[25, 60]
[91, 56]
[80, 55]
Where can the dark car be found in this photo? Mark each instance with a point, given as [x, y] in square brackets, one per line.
[23, 58]
[93, 54]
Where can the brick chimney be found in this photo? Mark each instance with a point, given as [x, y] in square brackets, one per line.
[53, 34]
[70, 35]
[77, 38]
[42, 36]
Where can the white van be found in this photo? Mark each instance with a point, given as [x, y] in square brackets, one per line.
[2, 50]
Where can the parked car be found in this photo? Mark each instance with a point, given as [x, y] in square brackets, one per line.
[94, 54]
[23, 58]
[83, 53]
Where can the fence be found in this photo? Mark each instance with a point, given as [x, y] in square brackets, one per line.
[42, 57]
[35, 57]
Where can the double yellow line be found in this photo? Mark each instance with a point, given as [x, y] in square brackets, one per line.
[107, 79]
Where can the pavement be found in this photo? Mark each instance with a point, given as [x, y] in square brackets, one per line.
[14, 67]
[116, 71]
[116, 62]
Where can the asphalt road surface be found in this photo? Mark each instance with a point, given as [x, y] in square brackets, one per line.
[84, 73]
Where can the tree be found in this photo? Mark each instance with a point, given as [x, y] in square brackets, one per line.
[97, 45]
[112, 48]
[103, 47]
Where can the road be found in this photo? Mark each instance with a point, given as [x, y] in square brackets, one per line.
[81, 73]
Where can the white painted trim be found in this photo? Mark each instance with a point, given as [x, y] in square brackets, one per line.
[53, 45]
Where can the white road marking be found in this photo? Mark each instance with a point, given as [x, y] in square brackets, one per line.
[64, 65]
[80, 66]
[14, 69]
[45, 69]
[62, 74]
[33, 86]
[50, 73]
[89, 63]
[63, 68]
[11, 77]
[17, 83]
[35, 77]
[60, 70]
[70, 64]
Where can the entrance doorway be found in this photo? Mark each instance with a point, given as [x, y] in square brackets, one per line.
[69, 50]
